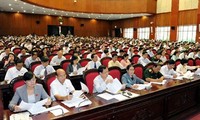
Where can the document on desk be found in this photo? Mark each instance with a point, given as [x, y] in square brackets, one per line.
[143, 86]
[33, 108]
[160, 83]
[114, 87]
[20, 116]
[120, 97]
[77, 93]
[178, 78]
[105, 96]
[57, 110]
[77, 102]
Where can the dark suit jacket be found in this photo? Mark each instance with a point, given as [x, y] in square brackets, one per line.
[70, 68]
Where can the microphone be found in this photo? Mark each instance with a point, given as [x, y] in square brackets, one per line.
[85, 99]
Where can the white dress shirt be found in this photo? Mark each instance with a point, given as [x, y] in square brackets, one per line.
[55, 61]
[29, 60]
[100, 84]
[39, 70]
[61, 89]
[183, 69]
[90, 65]
[167, 73]
[13, 73]
[163, 58]
[143, 61]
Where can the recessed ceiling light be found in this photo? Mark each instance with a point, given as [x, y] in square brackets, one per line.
[55, 13]
[33, 9]
[22, 7]
[24, 3]
[33, 5]
[9, 4]
[11, 8]
[24, 10]
[33, 12]
[43, 8]
[15, 0]
[66, 14]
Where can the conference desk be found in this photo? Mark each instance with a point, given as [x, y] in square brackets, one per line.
[159, 102]
[7, 93]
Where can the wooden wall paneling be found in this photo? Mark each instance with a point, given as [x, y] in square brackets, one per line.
[24, 24]
[100, 6]
[163, 19]
[198, 24]
[187, 17]
[174, 20]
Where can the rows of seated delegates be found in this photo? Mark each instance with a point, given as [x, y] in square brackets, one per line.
[71, 56]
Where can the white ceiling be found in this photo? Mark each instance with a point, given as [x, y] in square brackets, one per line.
[23, 7]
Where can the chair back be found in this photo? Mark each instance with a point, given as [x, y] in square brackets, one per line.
[85, 54]
[138, 70]
[134, 59]
[105, 60]
[115, 72]
[64, 64]
[197, 61]
[51, 56]
[89, 76]
[84, 61]
[33, 65]
[167, 56]
[23, 57]
[99, 54]
[177, 62]
[191, 62]
[168, 51]
[16, 51]
[119, 58]
[16, 82]
[48, 80]
[68, 56]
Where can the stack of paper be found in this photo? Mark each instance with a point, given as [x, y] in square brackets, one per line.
[188, 75]
[114, 87]
[33, 108]
[77, 102]
[143, 86]
[21, 116]
[108, 96]
[160, 83]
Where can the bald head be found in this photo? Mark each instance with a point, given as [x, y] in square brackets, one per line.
[61, 75]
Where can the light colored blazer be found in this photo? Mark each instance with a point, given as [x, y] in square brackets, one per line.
[21, 94]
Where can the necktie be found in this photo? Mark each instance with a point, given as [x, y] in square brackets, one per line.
[95, 66]
[45, 71]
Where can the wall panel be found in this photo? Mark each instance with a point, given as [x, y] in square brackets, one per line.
[23, 24]
[188, 4]
[187, 17]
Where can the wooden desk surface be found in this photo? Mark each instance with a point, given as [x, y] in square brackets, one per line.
[159, 102]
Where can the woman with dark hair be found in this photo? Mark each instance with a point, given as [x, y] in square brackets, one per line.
[10, 61]
[125, 61]
[73, 66]
[29, 93]
[130, 79]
